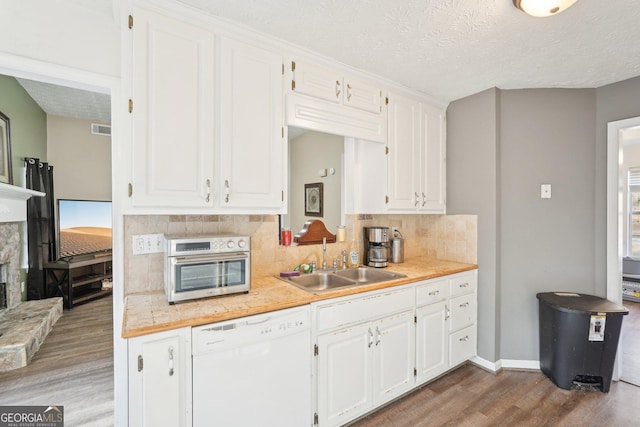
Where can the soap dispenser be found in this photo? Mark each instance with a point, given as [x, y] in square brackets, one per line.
[354, 255]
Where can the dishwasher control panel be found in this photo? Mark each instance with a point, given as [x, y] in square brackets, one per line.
[248, 330]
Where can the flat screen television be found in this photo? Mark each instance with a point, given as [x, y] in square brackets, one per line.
[84, 227]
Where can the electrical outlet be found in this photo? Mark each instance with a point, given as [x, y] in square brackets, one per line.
[393, 231]
[147, 243]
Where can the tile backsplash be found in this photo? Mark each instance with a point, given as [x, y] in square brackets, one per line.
[450, 237]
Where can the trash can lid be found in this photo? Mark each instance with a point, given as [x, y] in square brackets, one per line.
[581, 302]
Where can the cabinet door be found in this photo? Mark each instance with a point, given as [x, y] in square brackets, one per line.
[394, 356]
[433, 174]
[173, 110]
[432, 341]
[344, 374]
[362, 95]
[403, 158]
[317, 81]
[251, 146]
[160, 379]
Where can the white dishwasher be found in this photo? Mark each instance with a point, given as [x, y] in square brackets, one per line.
[254, 371]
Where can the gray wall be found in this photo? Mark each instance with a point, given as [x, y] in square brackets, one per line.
[547, 136]
[472, 187]
[501, 145]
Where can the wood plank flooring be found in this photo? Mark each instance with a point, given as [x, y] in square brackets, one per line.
[630, 337]
[470, 396]
[73, 368]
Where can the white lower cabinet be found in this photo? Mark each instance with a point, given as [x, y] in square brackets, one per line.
[432, 341]
[160, 379]
[446, 316]
[368, 349]
[367, 362]
[464, 313]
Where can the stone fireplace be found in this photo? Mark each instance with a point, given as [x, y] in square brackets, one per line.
[10, 263]
[23, 325]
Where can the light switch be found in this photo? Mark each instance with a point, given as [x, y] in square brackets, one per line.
[545, 191]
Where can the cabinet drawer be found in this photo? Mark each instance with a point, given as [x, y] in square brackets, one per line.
[364, 308]
[432, 291]
[462, 345]
[463, 311]
[463, 284]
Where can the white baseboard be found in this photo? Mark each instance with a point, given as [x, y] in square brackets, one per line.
[529, 365]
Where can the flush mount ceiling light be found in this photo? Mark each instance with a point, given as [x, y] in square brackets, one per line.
[542, 8]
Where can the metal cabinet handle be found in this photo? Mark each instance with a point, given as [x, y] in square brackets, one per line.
[433, 293]
[424, 200]
[348, 92]
[464, 285]
[447, 313]
[417, 199]
[378, 335]
[171, 361]
[337, 89]
[370, 338]
[226, 186]
[464, 304]
[465, 338]
[208, 198]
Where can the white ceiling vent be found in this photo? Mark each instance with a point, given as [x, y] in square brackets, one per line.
[97, 129]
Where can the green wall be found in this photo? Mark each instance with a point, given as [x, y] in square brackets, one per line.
[28, 125]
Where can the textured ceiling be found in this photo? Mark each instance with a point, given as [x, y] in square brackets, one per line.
[447, 49]
[450, 49]
[69, 102]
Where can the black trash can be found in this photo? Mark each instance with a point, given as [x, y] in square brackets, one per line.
[578, 338]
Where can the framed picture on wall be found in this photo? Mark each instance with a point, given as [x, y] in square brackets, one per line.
[5, 150]
[313, 199]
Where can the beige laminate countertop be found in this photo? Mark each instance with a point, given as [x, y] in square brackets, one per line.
[149, 312]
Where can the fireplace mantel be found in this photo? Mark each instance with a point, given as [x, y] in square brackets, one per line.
[12, 202]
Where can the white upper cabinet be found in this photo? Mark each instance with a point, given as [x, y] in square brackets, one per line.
[416, 158]
[252, 127]
[404, 152]
[326, 100]
[173, 112]
[433, 173]
[331, 85]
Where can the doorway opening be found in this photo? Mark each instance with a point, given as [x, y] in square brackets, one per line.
[623, 138]
[37, 71]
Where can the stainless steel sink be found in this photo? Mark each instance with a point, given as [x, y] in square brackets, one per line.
[368, 275]
[322, 281]
[319, 281]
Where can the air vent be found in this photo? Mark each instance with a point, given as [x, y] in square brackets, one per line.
[97, 129]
